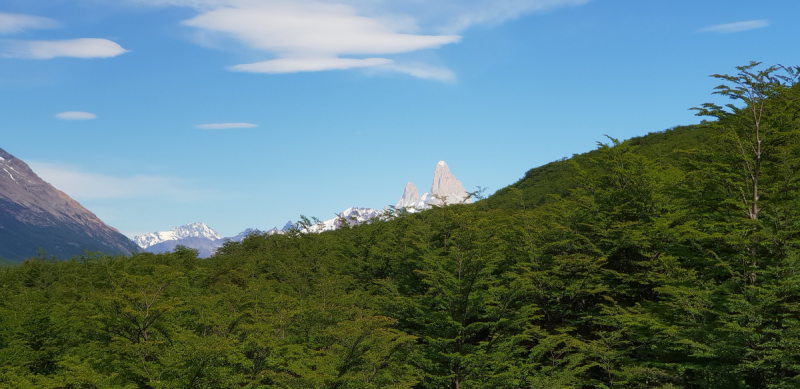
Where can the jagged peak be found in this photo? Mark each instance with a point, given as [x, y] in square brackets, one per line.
[446, 186]
[410, 198]
[410, 188]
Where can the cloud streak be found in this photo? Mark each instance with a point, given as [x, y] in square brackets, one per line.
[225, 126]
[74, 48]
[738, 26]
[420, 70]
[295, 65]
[75, 115]
[16, 23]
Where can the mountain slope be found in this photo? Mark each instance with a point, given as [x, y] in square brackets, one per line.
[34, 215]
[558, 177]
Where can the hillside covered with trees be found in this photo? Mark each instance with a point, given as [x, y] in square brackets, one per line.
[664, 261]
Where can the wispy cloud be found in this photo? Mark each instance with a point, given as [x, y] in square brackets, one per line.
[738, 26]
[310, 36]
[421, 70]
[225, 126]
[320, 35]
[294, 65]
[83, 185]
[16, 23]
[75, 115]
[75, 48]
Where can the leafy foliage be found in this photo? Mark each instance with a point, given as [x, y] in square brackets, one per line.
[636, 265]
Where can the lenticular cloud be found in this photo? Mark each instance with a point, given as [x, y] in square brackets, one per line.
[321, 35]
[225, 126]
[76, 115]
[309, 37]
[75, 48]
[16, 23]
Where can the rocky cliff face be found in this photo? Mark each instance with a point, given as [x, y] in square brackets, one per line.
[410, 197]
[35, 215]
[446, 189]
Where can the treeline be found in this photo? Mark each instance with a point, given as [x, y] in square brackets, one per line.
[668, 261]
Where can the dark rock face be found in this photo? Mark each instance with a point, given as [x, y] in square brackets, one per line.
[34, 215]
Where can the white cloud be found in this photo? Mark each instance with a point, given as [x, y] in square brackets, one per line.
[76, 48]
[294, 65]
[225, 126]
[91, 186]
[738, 26]
[76, 115]
[319, 35]
[303, 29]
[421, 70]
[448, 16]
[16, 23]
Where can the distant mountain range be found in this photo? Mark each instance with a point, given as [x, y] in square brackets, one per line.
[445, 189]
[198, 236]
[34, 215]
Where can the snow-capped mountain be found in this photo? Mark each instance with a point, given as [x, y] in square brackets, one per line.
[353, 216]
[198, 236]
[244, 234]
[446, 189]
[193, 230]
[411, 198]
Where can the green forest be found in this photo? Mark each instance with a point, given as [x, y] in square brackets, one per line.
[670, 260]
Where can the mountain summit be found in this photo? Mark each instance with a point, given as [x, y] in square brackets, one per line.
[410, 197]
[193, 230]
[446, 189]
[34, 215]
[198, 236]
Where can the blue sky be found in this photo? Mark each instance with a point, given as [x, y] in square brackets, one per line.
[249, 113]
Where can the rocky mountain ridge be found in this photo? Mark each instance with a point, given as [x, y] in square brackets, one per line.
[193, 230]
[198, 236]
[446, 189]
[34, 215]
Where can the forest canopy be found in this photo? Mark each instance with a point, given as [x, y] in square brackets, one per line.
[664, 261]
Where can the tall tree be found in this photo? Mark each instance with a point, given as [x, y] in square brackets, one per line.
[755, 134]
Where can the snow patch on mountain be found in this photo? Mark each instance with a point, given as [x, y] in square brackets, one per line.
[352, 216]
